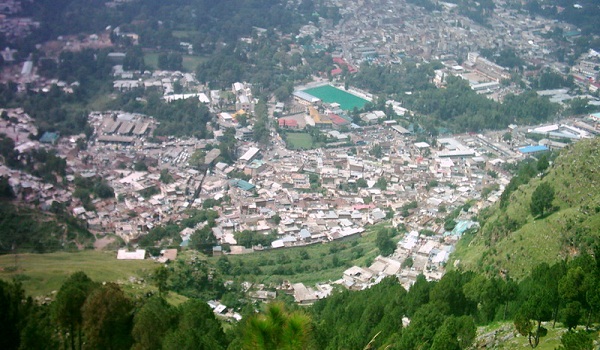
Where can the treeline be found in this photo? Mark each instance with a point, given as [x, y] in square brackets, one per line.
[584, 17]
[267, 63]
[456, 106]
[465, 110]
[178, 118]
[89, 315]
[222, 21]
[444, 314]
[42, 163]
[431, 315]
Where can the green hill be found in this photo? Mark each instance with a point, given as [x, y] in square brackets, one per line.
[24, 229]
[513, 241]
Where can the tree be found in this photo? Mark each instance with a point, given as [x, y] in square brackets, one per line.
[541, 199]
[276, 219]
[11, 314]
[277, 328]
[384, 242]
[165, 177]
[151, 323]
[376, 151]
[361, 183]
[580, 340]
[381, 183]
[107, 318]
[160, 277]
[542, 163]
[455, 333]
[536, 309]
[6, 190]
[67, 307]
[197, 329]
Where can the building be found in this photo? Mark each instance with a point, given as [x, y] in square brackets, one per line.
[528, 150]
[250, 155]
[306, 99]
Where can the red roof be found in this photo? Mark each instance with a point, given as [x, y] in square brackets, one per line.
[290, 123]
[337, 120]
[336, 71]
[339, 60]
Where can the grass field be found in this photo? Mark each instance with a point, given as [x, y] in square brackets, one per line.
[299, 140]
[190, 63]
[310, 264]
[151, 59]
[184, 33]
[330, 94]
[44, 273]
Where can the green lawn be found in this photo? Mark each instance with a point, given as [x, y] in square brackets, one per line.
[330, 94]
[296, 140]
[190, 63]
[151, 59]
[44, 273]
[184, 33]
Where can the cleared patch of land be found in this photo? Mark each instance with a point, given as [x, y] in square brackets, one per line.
[299, 140]
[502, 335]
[184, 33]
[151, 59]
[190, 63]
[44, 273]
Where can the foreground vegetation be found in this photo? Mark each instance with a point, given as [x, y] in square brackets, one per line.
[443, 315]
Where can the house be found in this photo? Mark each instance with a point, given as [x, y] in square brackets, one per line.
[167, 255]
[49, 137]
[288, 123]
[301, 181]
[303, 295]
[123, 254]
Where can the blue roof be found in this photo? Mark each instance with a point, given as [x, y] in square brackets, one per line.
[49, 137]
[244, 185]
[533, 149]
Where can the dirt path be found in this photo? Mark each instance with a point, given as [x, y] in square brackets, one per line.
[103, 242]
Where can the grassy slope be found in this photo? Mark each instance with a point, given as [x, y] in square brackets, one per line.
[43, 273]
[318, 267]
[508, 338]
[576, 180]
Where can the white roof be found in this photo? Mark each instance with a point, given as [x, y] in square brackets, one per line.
[249, 154]
[123, 254]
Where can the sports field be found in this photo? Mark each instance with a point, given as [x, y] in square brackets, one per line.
[330, 94]
[296, 140]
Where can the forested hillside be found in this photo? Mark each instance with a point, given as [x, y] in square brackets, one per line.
[544, 215]
[431, 315]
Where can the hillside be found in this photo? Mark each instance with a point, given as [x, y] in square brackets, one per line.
[26, 229]
[512, 240]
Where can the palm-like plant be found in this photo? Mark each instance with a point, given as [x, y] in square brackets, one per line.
[277, 329]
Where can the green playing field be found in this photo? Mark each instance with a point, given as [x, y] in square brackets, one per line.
[330, 94]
